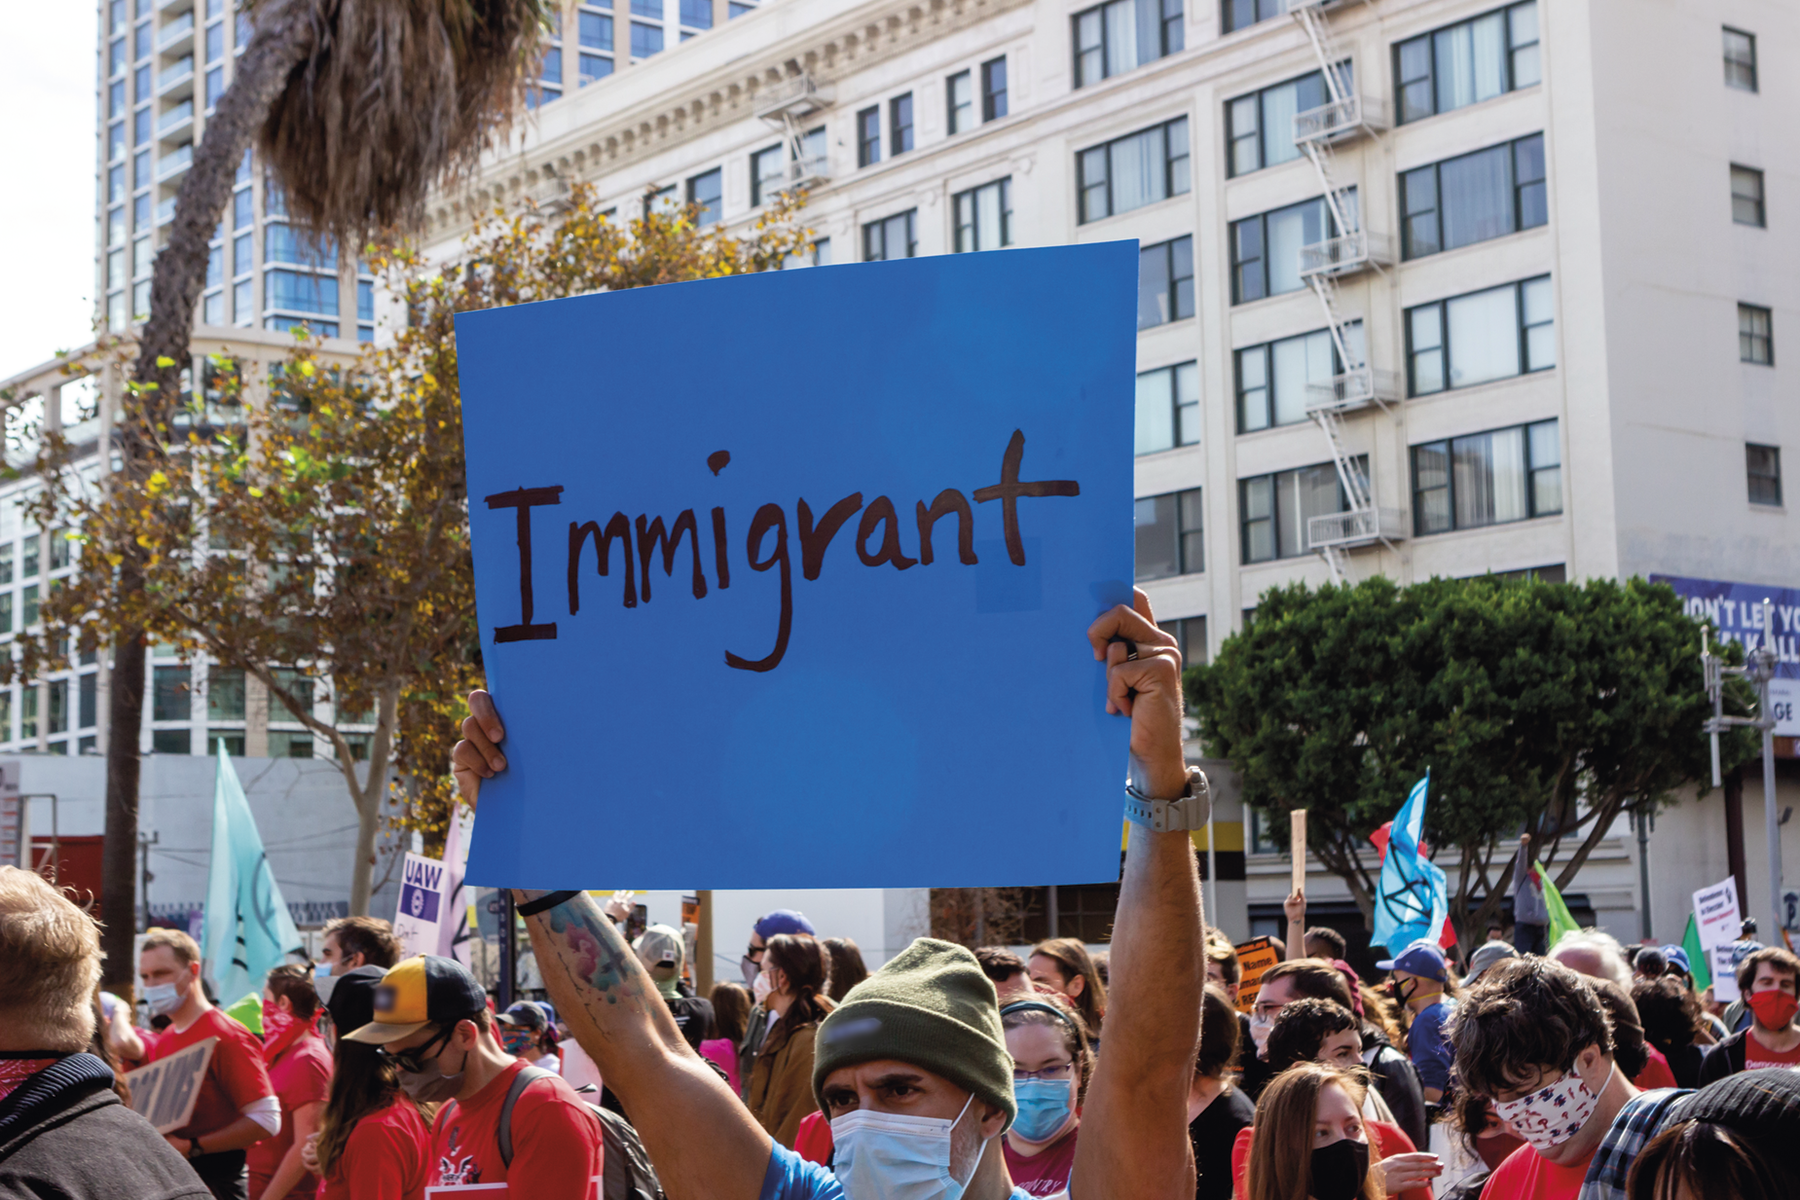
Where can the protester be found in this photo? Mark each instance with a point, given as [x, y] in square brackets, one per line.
[1006, 971]
[300, 1072]
[1486, 955]
[1638, 1060]
[432, 1022]
[1767, 978]
[374, 1141]
[1421, 979]
[1064, 966]
[1648, 963]
[1216, 1110]
[1734, 1140]
[1531, 909]
[1671, 1017]
[63, 1131]
[351, 942]
[779, 1091]
[664, 954]
[1051, 1064]
[1712, 1030]
[527, 1034]
[1594, 953]
[845, 968]
[912, 1068]
[236, 1106]
[1223, 970]
[731, 1009]
[781, 920]
[1481, 1141]
[1322, 941]
[1309, 1141]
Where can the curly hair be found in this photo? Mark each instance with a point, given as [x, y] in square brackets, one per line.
[1302, 1027]
[1524, 1015]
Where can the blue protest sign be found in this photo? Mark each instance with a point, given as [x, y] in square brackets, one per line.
[1736, 611]
[783, 579]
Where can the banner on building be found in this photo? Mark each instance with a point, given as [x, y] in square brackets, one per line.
[163, 1093]
[418, 917]
[721, 581]
[1736, 611]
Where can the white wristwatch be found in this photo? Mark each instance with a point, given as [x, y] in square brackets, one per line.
[1188, 811]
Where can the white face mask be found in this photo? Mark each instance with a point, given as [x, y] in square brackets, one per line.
[1259, 1033]
[886, 1156]
[162, 998]
[760, 987]
[1554, 1113]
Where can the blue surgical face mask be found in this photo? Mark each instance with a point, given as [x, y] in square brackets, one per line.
[321, 971]
[1043, 1109]
[163, 998]
[886, 1156]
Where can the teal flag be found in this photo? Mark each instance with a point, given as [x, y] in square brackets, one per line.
[248, 929]
[1410, 902]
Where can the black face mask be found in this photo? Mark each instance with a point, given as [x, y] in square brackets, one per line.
[1401, 992]
[1338, 1170]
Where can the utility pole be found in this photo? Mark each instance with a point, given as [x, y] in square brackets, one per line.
[1759, 669]
[1645, 823]
[144, 844]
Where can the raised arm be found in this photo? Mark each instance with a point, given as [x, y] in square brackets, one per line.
[611, 1006]
[1134, 1138]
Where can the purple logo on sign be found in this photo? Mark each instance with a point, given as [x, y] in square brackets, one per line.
[419, 903]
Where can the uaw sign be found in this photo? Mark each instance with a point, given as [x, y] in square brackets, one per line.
[417, 917]
[164, 1092]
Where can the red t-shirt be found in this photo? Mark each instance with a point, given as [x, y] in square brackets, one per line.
[1385, 1141]
[556, 1140]
[1046, 1172]
[386, 1157]
[1527, 1175]
[1758, 1055]
[813, 1140]
[300, 1075]
[235, 1078]
[1656, 1073]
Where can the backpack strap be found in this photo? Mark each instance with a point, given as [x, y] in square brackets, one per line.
[503, 1134]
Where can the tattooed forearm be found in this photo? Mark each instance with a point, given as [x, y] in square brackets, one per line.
[588, 948]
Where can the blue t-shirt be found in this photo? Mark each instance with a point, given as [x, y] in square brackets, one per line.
[791, 1177]
[1431, 1051]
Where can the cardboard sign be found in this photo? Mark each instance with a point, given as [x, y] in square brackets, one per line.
[1255, 957]
[1716, 914]
[1723, 961]
[418, 917]
[163, 1093]
[812, 555]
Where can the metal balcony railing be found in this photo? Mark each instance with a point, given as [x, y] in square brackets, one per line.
[171, 165]
[176, 74]
[1356, 388]
[811, 169]
[165, 211]
[1345, 254]
[1338, 121]
[1358, 527]
[174, 31]
[796, 96]
[174, 117]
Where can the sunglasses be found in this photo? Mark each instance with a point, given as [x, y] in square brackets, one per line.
[413, 1060]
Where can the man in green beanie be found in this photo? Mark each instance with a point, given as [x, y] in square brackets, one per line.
[912, 1068]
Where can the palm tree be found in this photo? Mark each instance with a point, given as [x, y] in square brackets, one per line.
[358, 107]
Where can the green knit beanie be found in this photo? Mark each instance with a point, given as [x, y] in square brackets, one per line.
[930, 1006]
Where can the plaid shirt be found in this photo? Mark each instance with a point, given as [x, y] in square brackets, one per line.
[1641, 1119]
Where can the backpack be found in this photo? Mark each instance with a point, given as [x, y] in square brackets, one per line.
[628, 1173]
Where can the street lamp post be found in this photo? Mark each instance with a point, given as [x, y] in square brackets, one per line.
[1759, 669]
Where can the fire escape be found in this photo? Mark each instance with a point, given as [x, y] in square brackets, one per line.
[785, 105]
[1348, 249]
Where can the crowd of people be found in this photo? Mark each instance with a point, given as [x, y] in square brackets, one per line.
[1153, 1069]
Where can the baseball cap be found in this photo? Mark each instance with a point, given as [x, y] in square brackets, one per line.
[526, 1014]
[1423, 958]
[1485, 956]
[783, 920]
[661, 950]
[1677, 958]
[352, 1000]
[424, 990]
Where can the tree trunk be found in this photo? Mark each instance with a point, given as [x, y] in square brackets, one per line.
[362, 872]
[119, 850]
[368, 796]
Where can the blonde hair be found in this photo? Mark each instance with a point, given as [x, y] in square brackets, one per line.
[1280, 1166]
[49, 965]
[176, 941]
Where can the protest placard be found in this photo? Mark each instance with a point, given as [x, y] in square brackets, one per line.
[163, 1093]
[1716, 913]
[1297, 848]
[418, 916]
[1255, 957]
[1723, 959]
[839, 595]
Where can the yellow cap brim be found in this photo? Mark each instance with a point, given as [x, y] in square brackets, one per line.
[377, 1034]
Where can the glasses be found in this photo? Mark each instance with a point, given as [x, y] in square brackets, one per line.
[413, 1060]
[754, 953]
[1268, 1010]
[1057, 1074]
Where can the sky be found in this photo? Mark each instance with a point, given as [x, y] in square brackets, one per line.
[47, 207]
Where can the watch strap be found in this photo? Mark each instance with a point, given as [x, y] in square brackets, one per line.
[1186, 812]
[544, 903]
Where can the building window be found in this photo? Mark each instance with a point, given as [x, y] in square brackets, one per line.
[171, 694]
[1274, 511]
[59, 706]
[868, 136]
[1487, 478]
[1169, 537]
[1241, 14]
[297, 684]
[704, 192]
[1468, 62]
[645, 41]
[28, 713]
[225, 694]
[6, 612]
[1483, 336]
[548, 86]
[993, 89]
[1755, 345]
[1473, 197]
[282, 243]
[1166, 282]
[171, 741]
[1168, 408]
[1190, 638]
[1747, 196]
[88, 694]
[286, 744]
[768, 173]
[900, 124]
[594, 32]
[1113, 38]
[1273, 378]
[1763, 466]
[292, 291]
[59, 549]
[1265, 249]
[984, 216]
[28, 557]
[959, 102]
[1137, 169]
[1740, 59]
[891, 237]
[1259, 128]
[696, 14]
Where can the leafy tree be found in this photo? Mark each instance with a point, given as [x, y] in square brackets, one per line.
[1548, 708]
[322, 520]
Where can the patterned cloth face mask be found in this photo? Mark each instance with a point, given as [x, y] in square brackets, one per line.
[1554, 1113]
